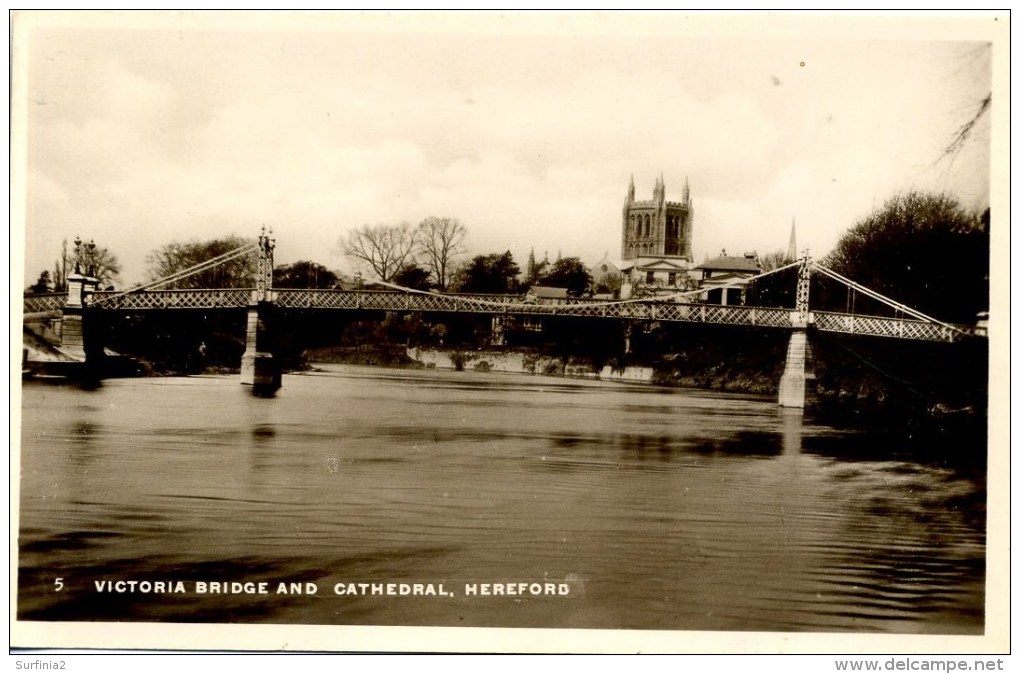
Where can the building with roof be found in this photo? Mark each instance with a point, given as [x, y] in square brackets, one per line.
[724, 278]
[547, 293]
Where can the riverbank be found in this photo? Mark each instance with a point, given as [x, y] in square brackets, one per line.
[841, 393]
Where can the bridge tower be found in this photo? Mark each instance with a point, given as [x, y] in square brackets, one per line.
[797, 373]
[259, 369]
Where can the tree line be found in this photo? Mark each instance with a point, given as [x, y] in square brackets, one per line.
[922, 249]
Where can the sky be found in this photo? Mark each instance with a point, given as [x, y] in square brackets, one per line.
[142, 130]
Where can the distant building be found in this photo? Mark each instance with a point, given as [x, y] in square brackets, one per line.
[546, 293]
[657, 238]
[606, 278]
[724, 278]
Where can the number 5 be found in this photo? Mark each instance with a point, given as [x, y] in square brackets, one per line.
[58, 584]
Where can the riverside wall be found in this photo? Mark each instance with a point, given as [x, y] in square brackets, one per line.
[524, 363]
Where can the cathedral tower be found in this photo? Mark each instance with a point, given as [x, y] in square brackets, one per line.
[657, 228]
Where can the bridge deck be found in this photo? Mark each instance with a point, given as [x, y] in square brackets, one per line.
[651, 310]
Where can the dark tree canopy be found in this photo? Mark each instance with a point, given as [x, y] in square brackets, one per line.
[924, 250]
[178, 256]
[494, 273]
[569, 273]
[43, 285]
[414, 277]
[303, 274]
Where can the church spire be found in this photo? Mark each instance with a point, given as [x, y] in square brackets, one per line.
[791, 252]
[687, 191]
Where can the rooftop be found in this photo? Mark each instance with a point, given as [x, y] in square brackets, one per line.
[548, 292]
[746, 262]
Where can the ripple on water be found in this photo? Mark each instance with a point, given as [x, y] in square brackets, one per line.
[667, 509]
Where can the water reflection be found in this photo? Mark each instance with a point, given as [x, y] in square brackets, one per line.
[792, 422]
[671, 509]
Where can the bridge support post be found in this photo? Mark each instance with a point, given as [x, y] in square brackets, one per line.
[797, 374]
[259, 368]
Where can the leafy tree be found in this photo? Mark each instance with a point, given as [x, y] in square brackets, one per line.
[178, 256]
[413, 276]
[43, 285]
[924, 250]
[303, 274]
[494, 273]
[440, 241]
[384, 248]
[569, 273]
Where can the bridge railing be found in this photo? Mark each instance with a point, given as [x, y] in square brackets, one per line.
[37, 304]
[223, 298]
[510, 304]
[878, 326]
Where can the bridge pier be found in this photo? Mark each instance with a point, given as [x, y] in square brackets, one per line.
[259, 369]
[797, 374]
[73, 320]
[78, 335]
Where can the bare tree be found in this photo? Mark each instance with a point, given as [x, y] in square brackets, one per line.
[773, 260]
[384, 248]
[178, 256]
[89, 259]
[440, 240]
[100, 263]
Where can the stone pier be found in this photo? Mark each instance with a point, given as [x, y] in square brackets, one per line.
[74, 342]
[797, 375]
[259, 368]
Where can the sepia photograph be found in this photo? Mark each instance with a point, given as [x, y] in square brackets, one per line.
[488, 331]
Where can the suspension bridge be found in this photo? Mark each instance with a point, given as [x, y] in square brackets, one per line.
[257, 365]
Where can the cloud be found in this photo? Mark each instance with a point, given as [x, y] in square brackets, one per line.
[529, 140]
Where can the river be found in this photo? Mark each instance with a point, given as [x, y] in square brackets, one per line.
[624, 506]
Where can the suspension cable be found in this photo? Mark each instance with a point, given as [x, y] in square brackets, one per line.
[898, 306]
[189, 271]
[664, 298]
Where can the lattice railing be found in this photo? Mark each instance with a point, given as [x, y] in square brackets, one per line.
[35, 304]
[397, 301]
[650, 310]
[224, 298]
[900, 328]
